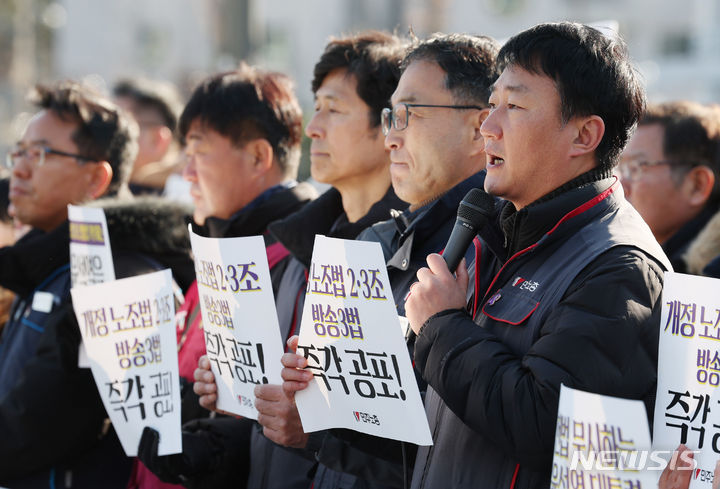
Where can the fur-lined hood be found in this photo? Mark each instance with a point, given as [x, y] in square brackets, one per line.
[146, 224]
[704, 247]
[152, 226]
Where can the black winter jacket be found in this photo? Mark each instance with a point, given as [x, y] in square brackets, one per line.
[53, 423]
[494, 382]
[354, 460]
[216, 451]
[273, 466]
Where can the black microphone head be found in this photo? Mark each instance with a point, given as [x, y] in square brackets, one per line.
[476, 208]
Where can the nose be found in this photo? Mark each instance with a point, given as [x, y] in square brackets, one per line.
[490, 127]
[393, 139]
[314, 129]
[22, 167]
[190, 171]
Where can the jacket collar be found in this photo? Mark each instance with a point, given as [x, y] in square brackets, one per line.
[253, 219]
[326, 216]
[680, 242]
[423, 223]
[524, 227]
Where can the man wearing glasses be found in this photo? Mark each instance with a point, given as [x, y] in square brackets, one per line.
[436, 151]
[77, 148]
[669, 171]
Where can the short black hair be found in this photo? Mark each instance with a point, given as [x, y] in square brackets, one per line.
[158, 96]
[104, 133]
[469, 63]
[250, 103]
[373, 58]
[592, 74]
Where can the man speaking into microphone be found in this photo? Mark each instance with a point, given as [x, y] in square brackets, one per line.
[575, 297]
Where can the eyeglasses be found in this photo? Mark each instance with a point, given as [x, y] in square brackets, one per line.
[634, 169]
[397, 117]
[36, 155]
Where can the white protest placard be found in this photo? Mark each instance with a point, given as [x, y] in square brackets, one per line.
[687, 408]
[90, 254]
[242, 335]
[129, 330]
[602, 441]
[352, 338]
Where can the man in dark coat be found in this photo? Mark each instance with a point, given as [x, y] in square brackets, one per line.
[352, 83]
[578, 275]
[436, 152]
[79, 147]
[243, 130]
[670, 171]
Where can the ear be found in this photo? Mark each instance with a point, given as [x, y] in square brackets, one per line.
[101, 174]
[478, 118]
[589, 132]
[698, 184]
[263, 155]
[162, 138]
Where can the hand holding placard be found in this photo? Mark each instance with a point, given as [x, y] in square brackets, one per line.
[362, 378]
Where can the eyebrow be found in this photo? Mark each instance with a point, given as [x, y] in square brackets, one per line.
[330, 96]
[408, 100]
[511, 88]
[44, 142]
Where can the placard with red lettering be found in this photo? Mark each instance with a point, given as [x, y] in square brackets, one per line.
[687, 407]
[129, 331]
[351, 335]
[242, 335]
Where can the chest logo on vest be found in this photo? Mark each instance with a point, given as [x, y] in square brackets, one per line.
[528, 285]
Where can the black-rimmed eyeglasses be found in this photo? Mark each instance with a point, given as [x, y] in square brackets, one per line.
[397, 117]
[36, 155]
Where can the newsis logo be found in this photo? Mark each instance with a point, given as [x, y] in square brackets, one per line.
[635, 460]
[361, 417]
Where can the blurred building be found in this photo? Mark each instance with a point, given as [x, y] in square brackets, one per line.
[676, 45]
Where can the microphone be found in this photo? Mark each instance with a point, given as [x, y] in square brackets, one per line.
[473, 213]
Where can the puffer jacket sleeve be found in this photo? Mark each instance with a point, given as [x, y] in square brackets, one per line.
[602, 337]
[54, 411]
[378, 460]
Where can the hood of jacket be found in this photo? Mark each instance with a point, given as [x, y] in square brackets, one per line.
[704, 247]
[151, 226]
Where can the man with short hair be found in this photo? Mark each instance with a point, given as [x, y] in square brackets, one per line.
[669, 171]
[155, 106]
[77, 148]
[578, 275]
[243, 131]
[436, 157]
[352, 83]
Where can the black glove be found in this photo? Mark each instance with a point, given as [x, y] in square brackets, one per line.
[197, 456]
[216, 454]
